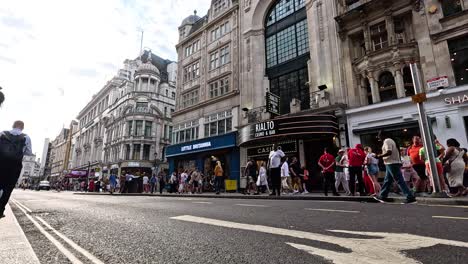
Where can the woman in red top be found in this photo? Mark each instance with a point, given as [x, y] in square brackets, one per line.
[327, 163]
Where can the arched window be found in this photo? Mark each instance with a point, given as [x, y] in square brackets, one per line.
[387, 87]
[369, 91]
[408, 80]
[287, 52]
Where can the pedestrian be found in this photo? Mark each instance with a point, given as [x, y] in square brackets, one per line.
[262, 182]
[162, 181]
[91, 185]
[340, 176]
[173, 182]
[219, 174]
[128, 181]
[274, 163]
[146, 185]
[439, 151]
[182, 181]
[14, 145]
[305, 179]
[372, 167]
[295, 171]
[455, 161]
[356, 158]
[391, 158]
[153, 183]
[113, 183]
[195, 180]
[327, 162]
[409, 174]
[251, 176]
[285, 175]
[418, 165]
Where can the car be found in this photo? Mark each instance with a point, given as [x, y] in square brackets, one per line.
[44, 185]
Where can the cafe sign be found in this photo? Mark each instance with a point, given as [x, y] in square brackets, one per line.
[456, 99]
[265, 129]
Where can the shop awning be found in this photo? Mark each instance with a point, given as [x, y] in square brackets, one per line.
[397, 126]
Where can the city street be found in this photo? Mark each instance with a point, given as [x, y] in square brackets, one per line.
[68, 228]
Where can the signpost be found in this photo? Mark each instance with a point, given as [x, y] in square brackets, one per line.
[438, 82]
[273, 103]
[426, 134]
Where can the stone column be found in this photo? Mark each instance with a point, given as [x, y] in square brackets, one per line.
[141, 151]
[400, 84]
[143, 129]
[139, 83]
[374, 89]
[362, 90]
[149, 84]
[367, 39]
[390, 28]
[131, 152]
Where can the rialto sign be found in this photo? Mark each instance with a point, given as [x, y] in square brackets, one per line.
[456, 99]
[264, 129]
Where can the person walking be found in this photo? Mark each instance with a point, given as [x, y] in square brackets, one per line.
[146, 186]
[183, 181]
[409, 174]
[439, 153]
[356, 158]
[251, 174]
[327, 162]
[305, 179]
[219, 173]
[285, 175]
[173, 182]
[455, 161]
[162, 181]
[14, 145]
[112, 182]
[391, 158]
[262, 181]
[372, 166]
[340, 176]
[418, 164]
[274, 163]
[153, 183]
[295, 172]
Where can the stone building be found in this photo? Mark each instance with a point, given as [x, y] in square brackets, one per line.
[208, 86]
[30, 171]
[59, 154]
[127, 124]
[379, 39]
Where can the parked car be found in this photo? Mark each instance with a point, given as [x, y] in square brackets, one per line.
[44, 185]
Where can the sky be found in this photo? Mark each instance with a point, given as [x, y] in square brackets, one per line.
[55, 54]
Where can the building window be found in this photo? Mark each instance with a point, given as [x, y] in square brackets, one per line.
[387, 88]
[192, 48]
[192, 71]
[219, 87]
[218, 124]
[283, 9]
[459, 56]
[190, 98]
[214, 61]
[289, 86]
[408, 80]
[185, 132]
[136, 151]
[139, 128]
[148, 126]
[220, 31]
[451, 7]
[173, 94]
[369, 91]
[224, 55]
[218, 6]
[127, 152]
[146, 152]
[399, 26]
[129, 128]
[379, 36]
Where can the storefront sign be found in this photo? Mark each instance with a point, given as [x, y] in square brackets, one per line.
[273, 103]
[456, 99]
[196, 146]
[133, 164]
[435, 83]
[264, 150]
[265, 129]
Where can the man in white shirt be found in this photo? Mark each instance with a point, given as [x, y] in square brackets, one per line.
[145, 183]
[285, 176]
[391, 158]
[274, 163]
[13, 146]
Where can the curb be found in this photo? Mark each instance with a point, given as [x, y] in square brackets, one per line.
[363, 199]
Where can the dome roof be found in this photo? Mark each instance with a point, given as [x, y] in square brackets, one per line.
[148, 66]
[190, 20]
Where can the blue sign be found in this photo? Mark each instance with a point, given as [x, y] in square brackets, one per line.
[206, 144]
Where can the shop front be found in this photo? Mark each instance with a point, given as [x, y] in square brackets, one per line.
[203, 154]
[303, 137]
[447, 111]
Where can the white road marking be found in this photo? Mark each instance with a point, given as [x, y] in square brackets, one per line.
[71, 243]
[202, 202]
[54, 241]
[442, 205]
[252, 205]
[450, 217]
[377, 248]
[81, 250]
[332, 210]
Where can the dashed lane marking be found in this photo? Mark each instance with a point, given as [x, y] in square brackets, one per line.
[252, 205]
[450, 217]
[442, 205]
[332, 210]
[202, 202]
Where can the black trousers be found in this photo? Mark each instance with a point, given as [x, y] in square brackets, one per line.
[353, 173]
[329, 180]
[9, 174]
[162, 185]
[275, 174]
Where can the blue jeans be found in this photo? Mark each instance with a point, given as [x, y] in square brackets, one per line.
[218, 183]
[393, 172]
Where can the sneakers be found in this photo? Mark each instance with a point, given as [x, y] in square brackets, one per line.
[305, 192]
[381, 199]
[410, 201]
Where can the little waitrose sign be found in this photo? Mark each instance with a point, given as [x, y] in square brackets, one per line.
[435, 83]
[456, 99]
[196, 146]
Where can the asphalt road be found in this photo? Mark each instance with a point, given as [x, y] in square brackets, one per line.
[112, 229]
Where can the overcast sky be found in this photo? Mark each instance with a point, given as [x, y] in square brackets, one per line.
[55, 54]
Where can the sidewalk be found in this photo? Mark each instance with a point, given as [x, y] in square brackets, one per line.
[463, 201]
[14, 246]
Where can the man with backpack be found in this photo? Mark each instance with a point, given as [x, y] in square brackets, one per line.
[13, 146]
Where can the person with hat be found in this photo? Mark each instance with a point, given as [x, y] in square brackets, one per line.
[340, 176]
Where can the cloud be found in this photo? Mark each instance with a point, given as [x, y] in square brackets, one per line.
[53, 61]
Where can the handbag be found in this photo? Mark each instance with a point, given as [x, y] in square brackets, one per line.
[447, 168]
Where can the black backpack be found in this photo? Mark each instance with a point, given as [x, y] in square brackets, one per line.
[11, 147]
